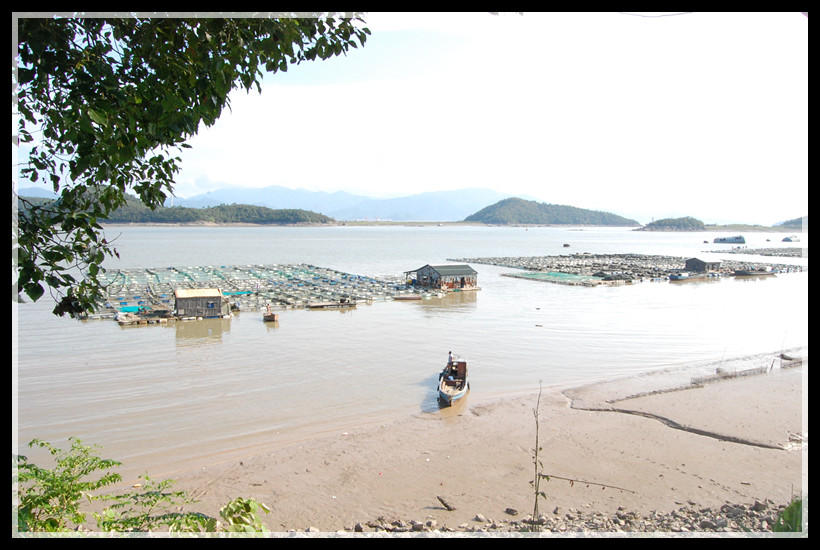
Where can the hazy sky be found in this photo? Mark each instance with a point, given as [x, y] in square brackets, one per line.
[698, 114]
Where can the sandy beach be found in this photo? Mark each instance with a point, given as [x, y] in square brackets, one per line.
[639, 444]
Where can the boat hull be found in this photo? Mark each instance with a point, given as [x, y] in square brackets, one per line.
[452, 383]
[448, 398]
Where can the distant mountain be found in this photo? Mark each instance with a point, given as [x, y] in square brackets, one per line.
[36, 192]
[797, 223]
[520, 211]
[275, 197]
[430, 206]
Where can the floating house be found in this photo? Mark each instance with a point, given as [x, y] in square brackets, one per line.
[444, 277]
[696, 264]
[737, 239]
[201, 302]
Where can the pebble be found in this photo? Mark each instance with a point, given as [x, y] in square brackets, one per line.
[742, 518]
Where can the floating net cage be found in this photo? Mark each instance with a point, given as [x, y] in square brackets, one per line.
[556, 277]
[246, 287]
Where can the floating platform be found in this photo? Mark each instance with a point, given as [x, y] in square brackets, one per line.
[614, 269]
[146, 293]
[330, 305]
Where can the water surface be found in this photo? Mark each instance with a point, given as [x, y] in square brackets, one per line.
[161, 397]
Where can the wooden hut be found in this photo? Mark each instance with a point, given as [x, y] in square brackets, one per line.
[444, 277]
[696, 264]
[201, 302]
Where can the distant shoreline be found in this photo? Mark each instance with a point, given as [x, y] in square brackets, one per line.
[389, 223]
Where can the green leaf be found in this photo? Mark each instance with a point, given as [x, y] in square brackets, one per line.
[98, 117]
[34, 291]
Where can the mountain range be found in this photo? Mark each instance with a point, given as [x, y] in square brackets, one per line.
[478, 204]
[432, 206]
[341, 205]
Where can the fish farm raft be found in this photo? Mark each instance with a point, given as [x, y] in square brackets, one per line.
[150, 295]
[144, 296]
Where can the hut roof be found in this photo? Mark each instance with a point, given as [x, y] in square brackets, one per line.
[197, 292]
[451, 270]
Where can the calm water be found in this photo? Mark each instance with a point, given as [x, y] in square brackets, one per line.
[159, 398]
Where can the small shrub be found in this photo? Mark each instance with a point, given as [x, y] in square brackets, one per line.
[49, 499]
[242, 516]
[790, 520]
[147, 509]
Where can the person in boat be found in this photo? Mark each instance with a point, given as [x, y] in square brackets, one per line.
[451, 367]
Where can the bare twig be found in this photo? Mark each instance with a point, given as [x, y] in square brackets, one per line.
[573, 481]
[536, 482]
[538, 466]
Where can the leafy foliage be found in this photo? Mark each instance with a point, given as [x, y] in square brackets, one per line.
[242, 516]
[520, 211]
[790, 520]
[102, 106]
[147, 508]
[675, 224]
[49, 499]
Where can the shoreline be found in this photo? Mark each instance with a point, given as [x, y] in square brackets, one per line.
[409, 223]
[645, 444]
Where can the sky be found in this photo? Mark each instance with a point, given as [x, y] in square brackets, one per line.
[647, 116]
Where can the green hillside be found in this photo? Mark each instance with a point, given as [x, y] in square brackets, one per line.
[136, 212]
[520, 211]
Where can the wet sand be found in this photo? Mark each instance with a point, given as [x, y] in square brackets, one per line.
[642, 444]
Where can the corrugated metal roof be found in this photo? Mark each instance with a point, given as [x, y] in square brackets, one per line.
[452, 270]
[197, 292]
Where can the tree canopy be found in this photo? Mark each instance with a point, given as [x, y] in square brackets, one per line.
[687, 223]
[104, 104]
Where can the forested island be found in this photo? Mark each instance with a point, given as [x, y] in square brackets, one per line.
[675, 224]
[519, 211]
[689, 223]
[136, 212]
